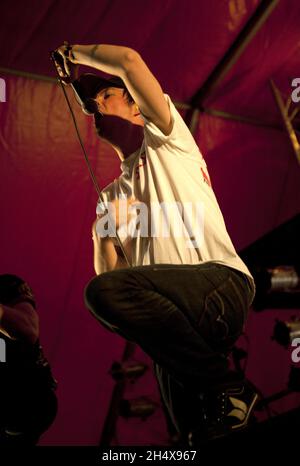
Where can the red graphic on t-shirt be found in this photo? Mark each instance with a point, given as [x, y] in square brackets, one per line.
[206, 178]
[137, 170]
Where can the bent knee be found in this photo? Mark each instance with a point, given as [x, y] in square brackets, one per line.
[95, 292]
[102, 295]
[106, 295]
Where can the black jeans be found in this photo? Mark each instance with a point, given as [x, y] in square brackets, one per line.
[185, 317]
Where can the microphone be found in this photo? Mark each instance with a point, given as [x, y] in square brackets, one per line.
[88, 105]
[60, 66]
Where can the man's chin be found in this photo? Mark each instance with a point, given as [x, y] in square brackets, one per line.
[123, 135]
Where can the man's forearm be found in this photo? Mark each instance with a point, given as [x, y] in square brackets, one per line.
[112, 59]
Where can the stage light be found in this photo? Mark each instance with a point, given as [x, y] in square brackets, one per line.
[131, 371]
[139, 407]
[277, 287]
[286, 331]
[284, 278]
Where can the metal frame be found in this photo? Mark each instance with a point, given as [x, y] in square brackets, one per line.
[287, 117]
[255, 22]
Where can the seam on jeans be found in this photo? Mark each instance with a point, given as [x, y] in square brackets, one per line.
[221, 315]
[179, 267]
[214, 291]
[250, 283]
[173, 268]
[221, 312]
[237, 291]
[243, 302]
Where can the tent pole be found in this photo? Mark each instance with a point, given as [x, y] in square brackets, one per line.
[178, 105]
[233, 53]
[25, 74]
[287, 119]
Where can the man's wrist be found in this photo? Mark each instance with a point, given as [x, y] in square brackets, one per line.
[81, 54]
[69, 52]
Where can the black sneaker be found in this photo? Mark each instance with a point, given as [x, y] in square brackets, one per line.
[224, 412]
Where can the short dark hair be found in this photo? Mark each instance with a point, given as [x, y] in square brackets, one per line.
[88, 86]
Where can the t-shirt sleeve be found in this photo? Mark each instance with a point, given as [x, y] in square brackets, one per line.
[180, 139]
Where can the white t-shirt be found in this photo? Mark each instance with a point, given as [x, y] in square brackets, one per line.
[171, 170]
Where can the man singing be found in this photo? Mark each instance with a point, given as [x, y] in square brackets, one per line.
[185, 299]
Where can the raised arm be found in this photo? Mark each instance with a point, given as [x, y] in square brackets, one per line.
[131, 68]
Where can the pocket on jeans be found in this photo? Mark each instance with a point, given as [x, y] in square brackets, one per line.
[223, 318]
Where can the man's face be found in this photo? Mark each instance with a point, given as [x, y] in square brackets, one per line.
[121, 124]
[112, 101]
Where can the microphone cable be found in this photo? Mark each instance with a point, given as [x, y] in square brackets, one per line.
[91, 172]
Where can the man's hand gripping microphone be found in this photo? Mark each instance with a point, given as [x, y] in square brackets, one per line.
[66, 69]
